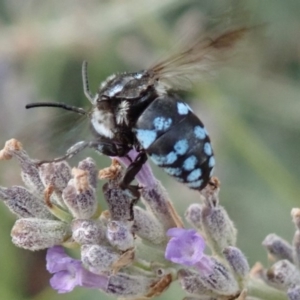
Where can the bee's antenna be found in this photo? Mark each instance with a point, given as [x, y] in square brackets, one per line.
[57, 104]
[85, 81]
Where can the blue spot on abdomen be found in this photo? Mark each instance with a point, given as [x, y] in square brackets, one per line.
[194, 175]
[190, 163]
[181, 147]
[200, 132]
[195, 184]
[182, 108]
[207, 149]
[173, 171]
[146, 137]
[162, 123]
[167, 159]
[211, 162]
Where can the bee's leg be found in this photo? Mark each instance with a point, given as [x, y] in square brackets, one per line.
[102, 146]
[134, 201]
[129, 176]
[132, 171]
[75, 149]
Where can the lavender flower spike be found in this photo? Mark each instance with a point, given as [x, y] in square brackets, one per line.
[185, 247]
[69, 272]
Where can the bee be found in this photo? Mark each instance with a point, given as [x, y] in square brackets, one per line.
[142, 111]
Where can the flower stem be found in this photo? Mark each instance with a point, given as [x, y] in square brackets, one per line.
[257, 288]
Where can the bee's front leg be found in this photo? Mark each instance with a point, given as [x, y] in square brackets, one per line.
[106, 147]
[133, 169]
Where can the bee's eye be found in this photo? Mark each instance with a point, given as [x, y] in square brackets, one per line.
[102, 103]
[102, 98]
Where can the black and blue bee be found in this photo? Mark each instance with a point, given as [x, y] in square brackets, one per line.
[141, 111]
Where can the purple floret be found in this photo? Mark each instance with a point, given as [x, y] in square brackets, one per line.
[69, 272]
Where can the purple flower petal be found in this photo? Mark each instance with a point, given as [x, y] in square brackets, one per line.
[93, 281]
[145, 176]
[185, 247]
[57, 259]
[205, 265]
[69, 272]
[65, 281]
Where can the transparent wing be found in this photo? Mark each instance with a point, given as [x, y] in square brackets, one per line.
[50, 134]
[198, 61]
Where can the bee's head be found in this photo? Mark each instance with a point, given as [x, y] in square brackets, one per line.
[112, 102]
[125, 86]
[102, 118]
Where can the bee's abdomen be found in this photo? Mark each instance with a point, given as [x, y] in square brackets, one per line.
[176, 140]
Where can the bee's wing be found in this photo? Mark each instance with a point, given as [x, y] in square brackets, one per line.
[50, 134]
[198, 61]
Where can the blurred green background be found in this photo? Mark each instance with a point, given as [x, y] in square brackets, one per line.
[251, 109]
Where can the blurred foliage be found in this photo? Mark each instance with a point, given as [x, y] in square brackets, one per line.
[251, 109]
